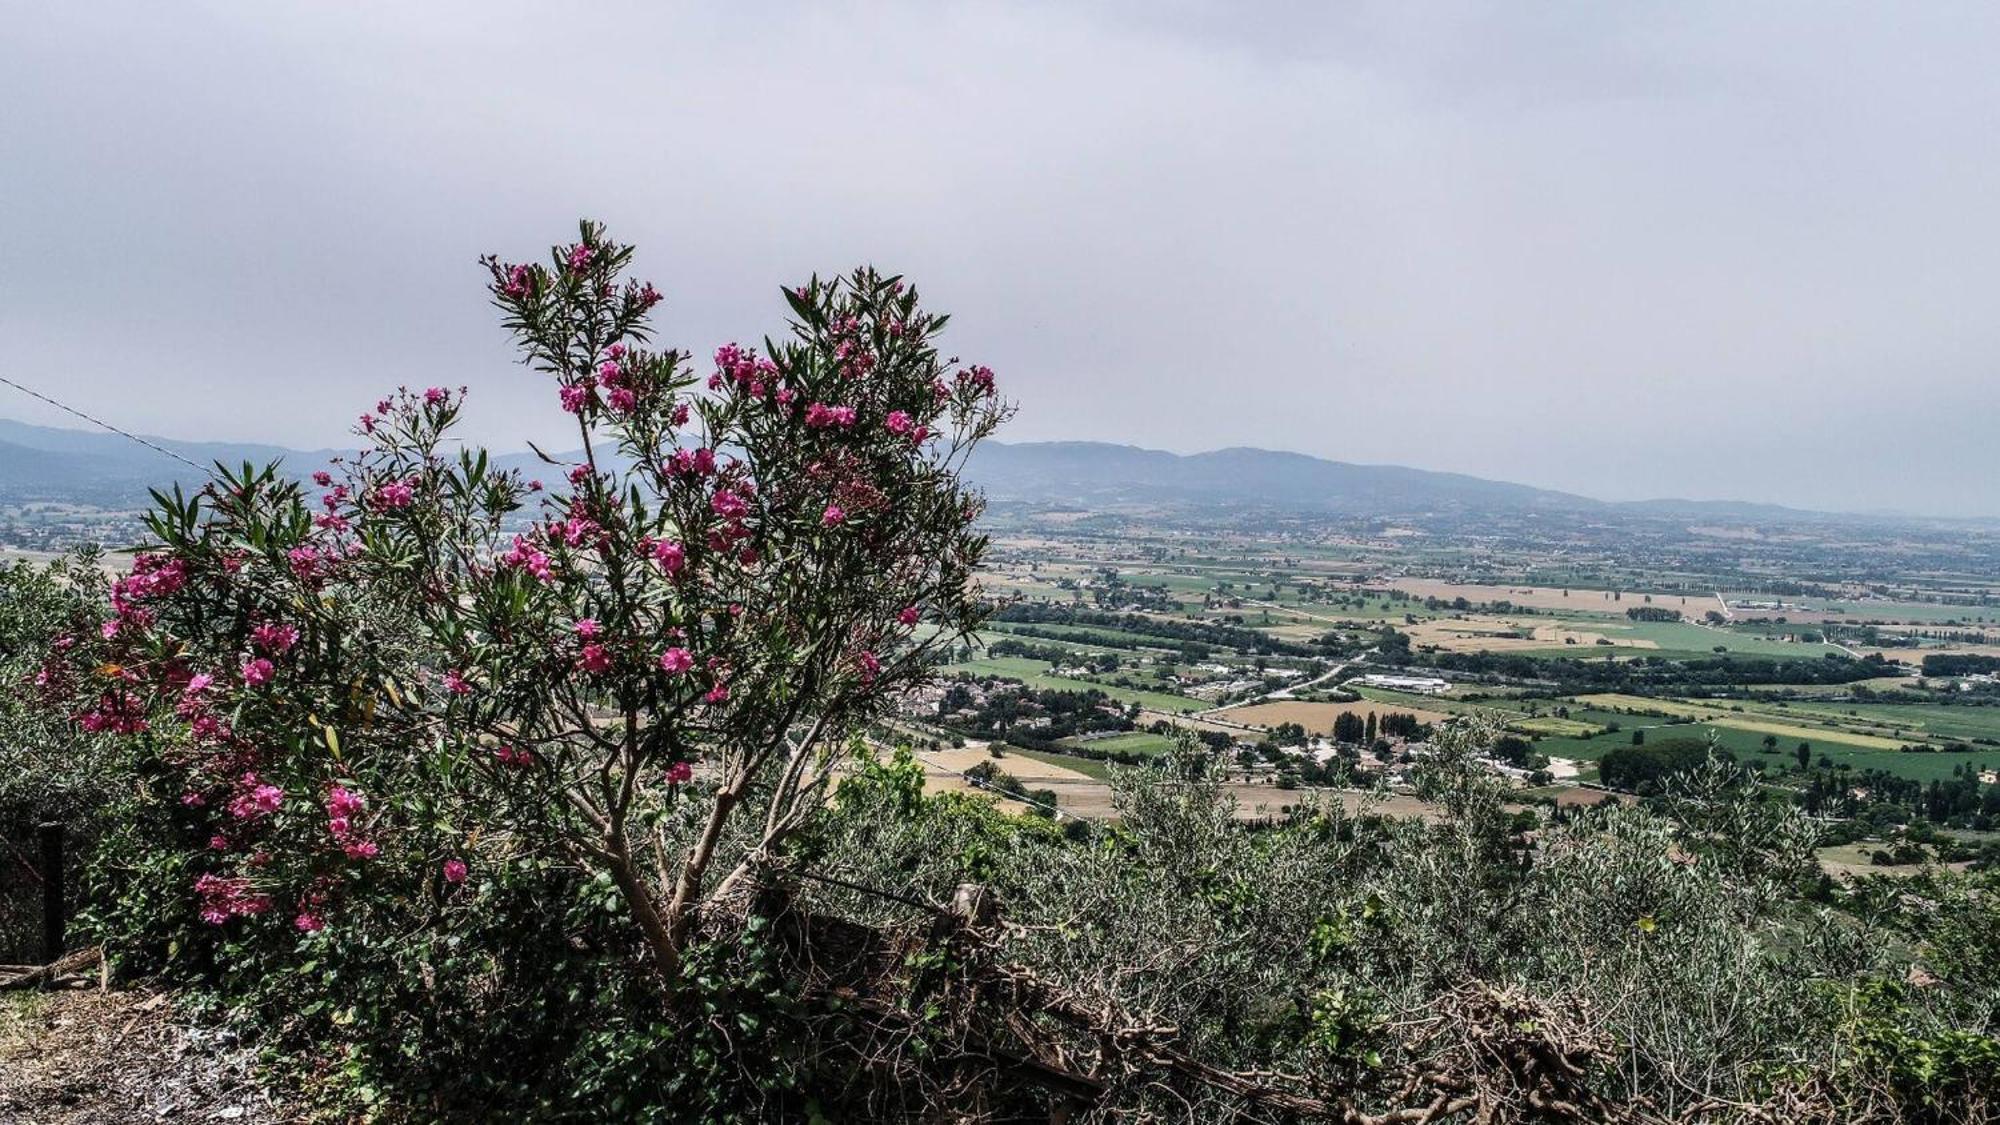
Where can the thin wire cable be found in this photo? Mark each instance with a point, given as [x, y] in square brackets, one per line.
[102, 423]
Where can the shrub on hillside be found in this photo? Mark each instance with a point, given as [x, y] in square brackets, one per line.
[429, 746]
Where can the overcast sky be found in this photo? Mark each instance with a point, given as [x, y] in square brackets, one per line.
[1629, 250]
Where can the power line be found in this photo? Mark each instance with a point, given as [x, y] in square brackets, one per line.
[102, 423]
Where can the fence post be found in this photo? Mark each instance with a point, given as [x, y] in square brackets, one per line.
[53, 938]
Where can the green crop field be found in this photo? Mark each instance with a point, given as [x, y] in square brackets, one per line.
[1134, 742]
[1035, 673]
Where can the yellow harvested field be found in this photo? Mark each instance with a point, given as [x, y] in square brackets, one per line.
[1491, 634]
[1027, 769]
[1080, 795]
[1549, 597]
[1736, 720]
[1318, 718]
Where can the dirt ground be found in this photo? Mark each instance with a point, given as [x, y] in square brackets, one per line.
[85, 1057]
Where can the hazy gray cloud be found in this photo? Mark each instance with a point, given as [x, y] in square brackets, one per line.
[1691, 249]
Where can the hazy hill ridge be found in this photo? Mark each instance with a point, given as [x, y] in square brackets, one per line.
[1102, 474]
[48, 463]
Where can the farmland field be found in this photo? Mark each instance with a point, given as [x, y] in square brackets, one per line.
[1035, 673]
[1318, 718]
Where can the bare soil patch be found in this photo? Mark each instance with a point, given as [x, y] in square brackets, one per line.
[86, 1057]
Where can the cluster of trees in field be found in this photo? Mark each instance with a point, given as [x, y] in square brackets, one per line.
[1646, 767]
[1652, 613]
[1876, 795]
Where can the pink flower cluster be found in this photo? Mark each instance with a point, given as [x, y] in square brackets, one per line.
[692, 462]
[225, 898]
[743, 370]
[342, 807]
[153, 576]
[392, 495]
[117, 711]
[524, 555]
[518, 759]
[255, 798]
[671, 556]
[274, 638]
[820, 416]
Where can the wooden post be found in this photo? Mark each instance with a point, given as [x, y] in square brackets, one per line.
[53, 938]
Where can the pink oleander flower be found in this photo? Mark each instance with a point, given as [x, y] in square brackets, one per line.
[393, 495]
[608, 373]
[871, 666]
[258, 799]
[676, 660]
[193, 800]
[693, 462]
[573, 397]
[322, 478]
[594, 658]
[728, 503]
[899, 422]
[623, 400]
[198, 683]
[671, 556]
[616, 351]
[454, 871]
[361, 849]
[580, 256]
[820, 416]
[717, 694]
[258, 671]
[435, 395]
[308, 922]
[509, 756]
[833, 516]
[908, 616]
[456, 684]
[588, 627]
[274, 638]
[680, 773]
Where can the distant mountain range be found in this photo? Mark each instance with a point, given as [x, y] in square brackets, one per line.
[45, 463]
[48, 463]
[1097, 475]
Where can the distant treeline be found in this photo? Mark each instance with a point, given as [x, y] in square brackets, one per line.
[1653, 613]
[1189, 636]
[1659, 672]
[1959, 664]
